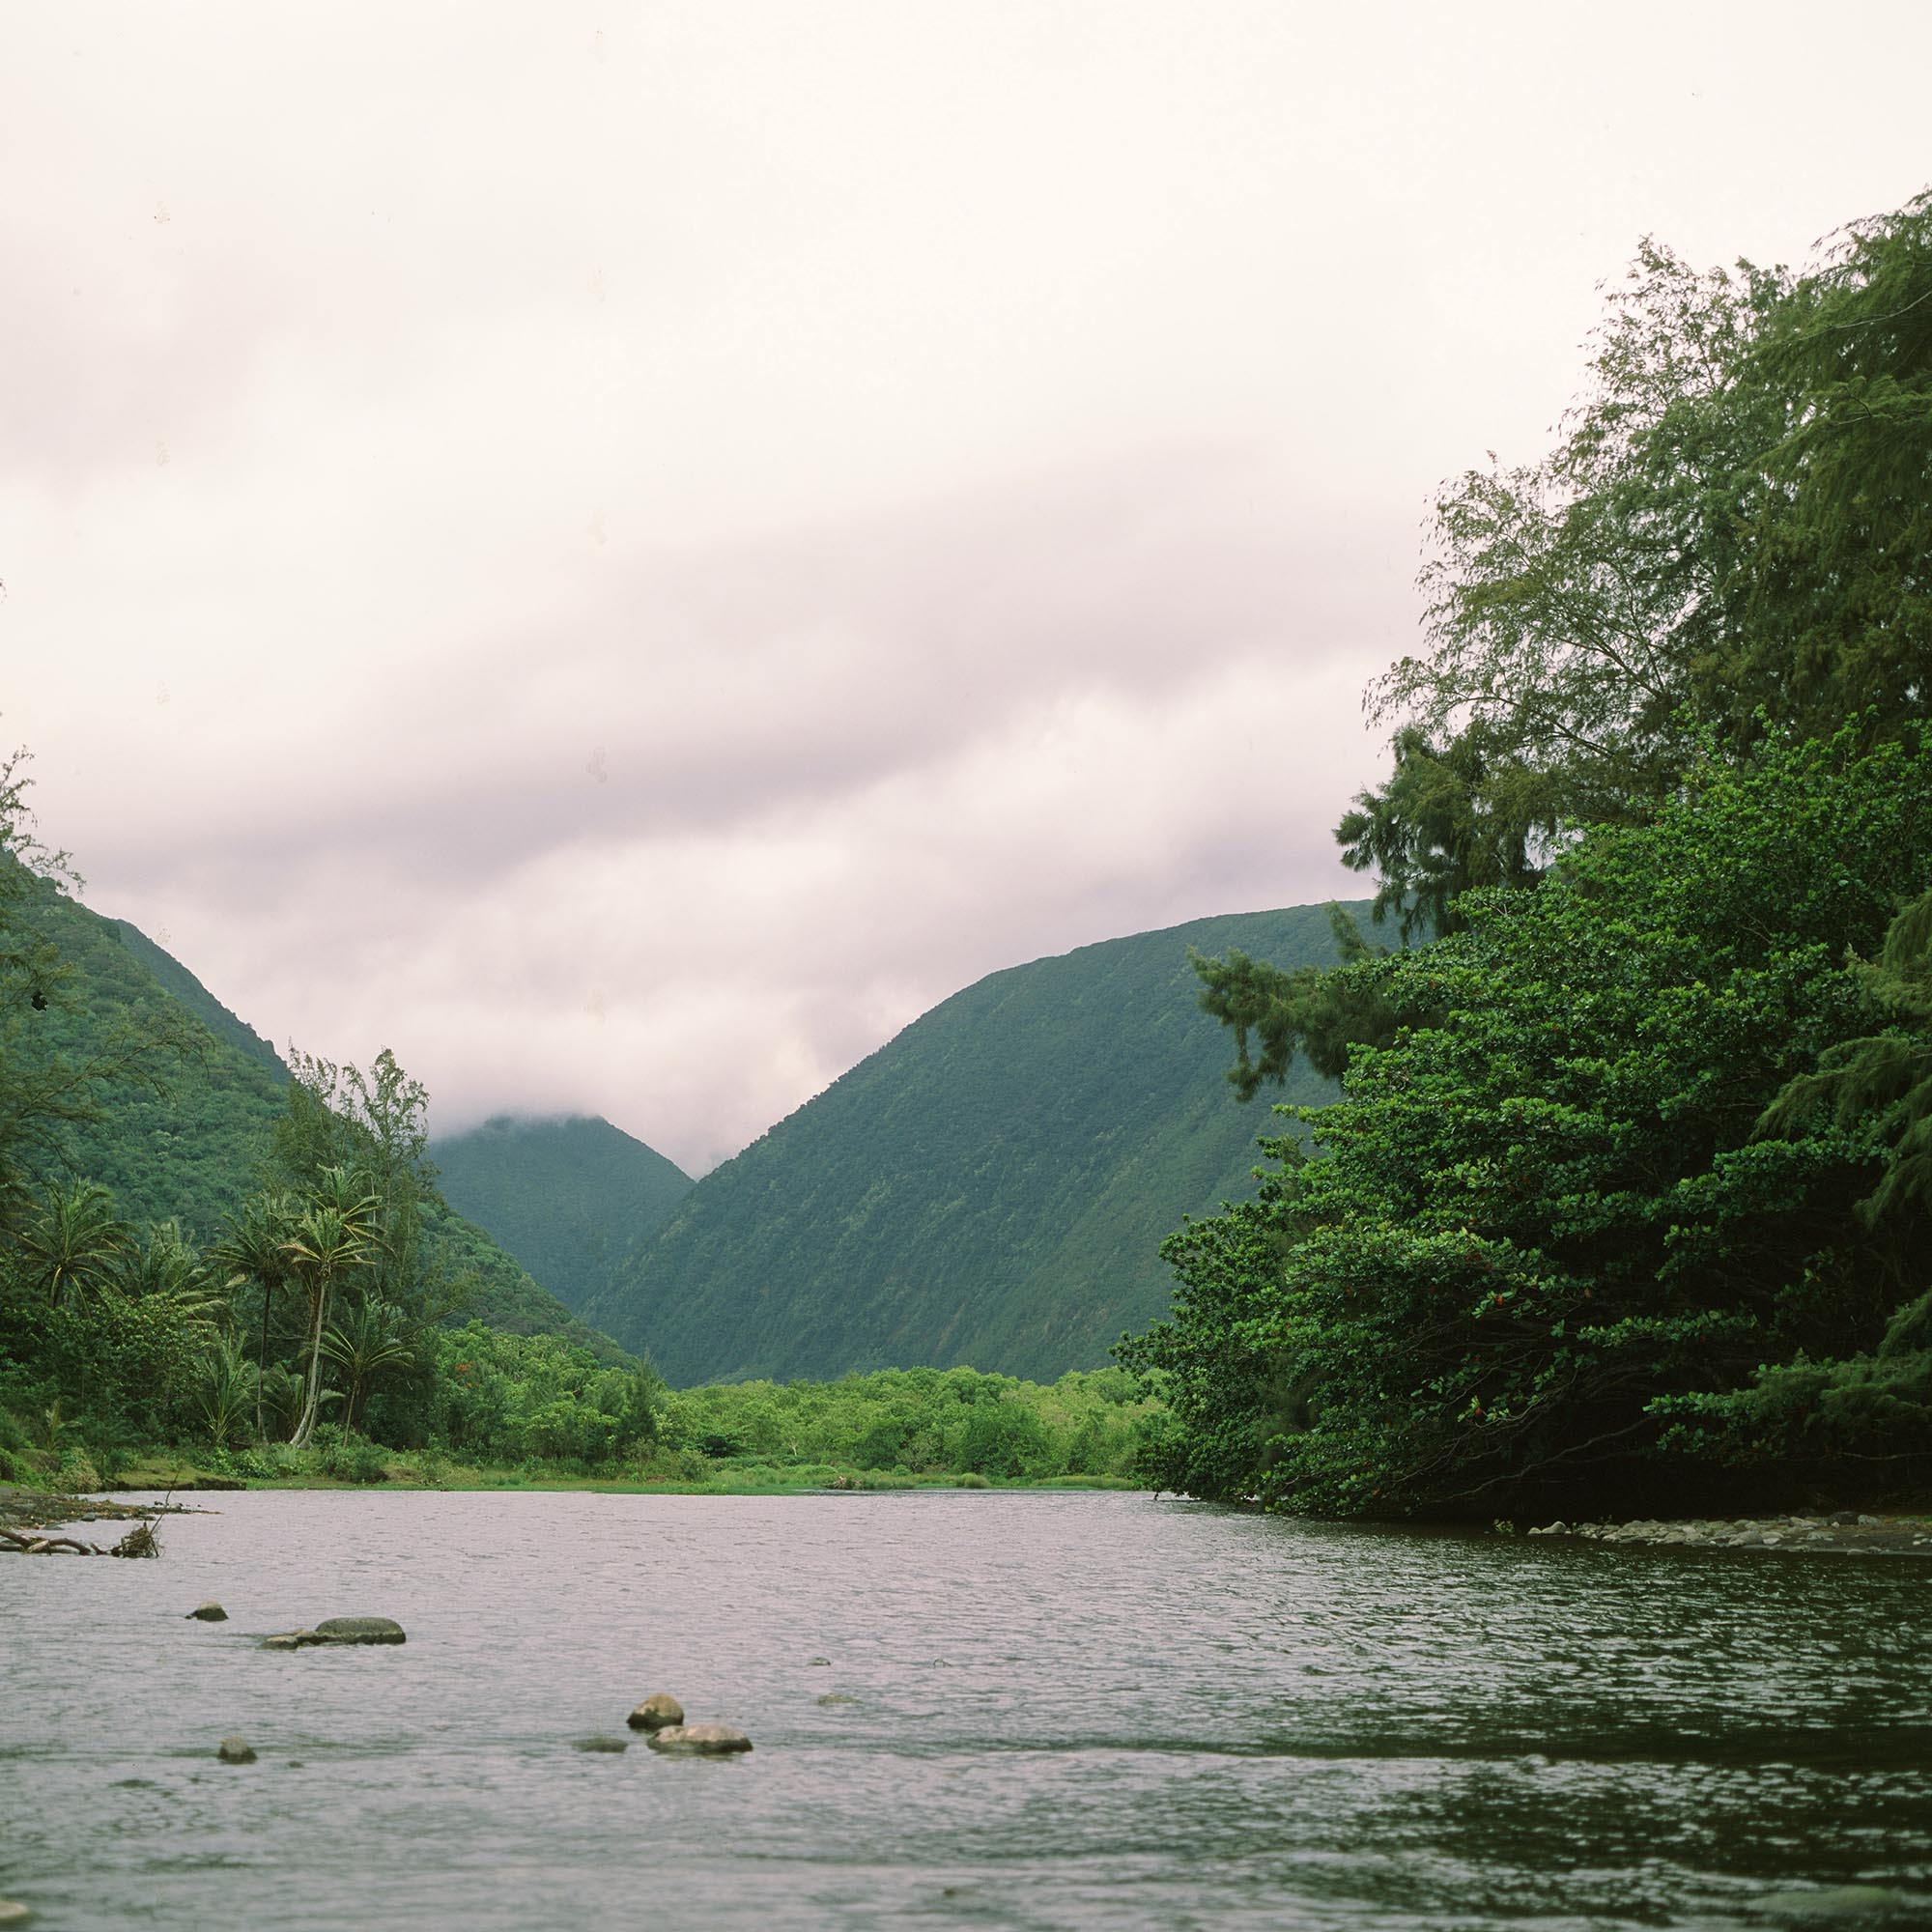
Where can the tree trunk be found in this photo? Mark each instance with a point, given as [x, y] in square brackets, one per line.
[261, 1369]
[312, 1393]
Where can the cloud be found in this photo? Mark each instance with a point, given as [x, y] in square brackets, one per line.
[625, 555]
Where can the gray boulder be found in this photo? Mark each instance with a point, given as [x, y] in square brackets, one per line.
[291, 1640]
[657, 1711]
[699, 1740]
[210, 1612]
[601, 1743]
[233, 1750]
[360, 1629]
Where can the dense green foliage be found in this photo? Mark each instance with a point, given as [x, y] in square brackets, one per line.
[989, 1187]
[1729, 537]
[196, 1242]
[1627, 1192]
[909, 1423]
[1546, 1222]
[569, 1199]
[185, 1097]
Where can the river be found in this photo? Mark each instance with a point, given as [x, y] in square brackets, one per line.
[1050, 1709]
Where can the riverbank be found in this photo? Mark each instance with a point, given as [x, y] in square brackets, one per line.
[1845, 1530]
[183, 1475]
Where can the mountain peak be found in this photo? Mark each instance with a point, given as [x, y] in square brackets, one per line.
[990, 1187]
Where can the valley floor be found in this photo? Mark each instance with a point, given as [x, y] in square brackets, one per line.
[187, 1473]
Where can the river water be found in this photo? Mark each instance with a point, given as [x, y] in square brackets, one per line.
[1064, 1710]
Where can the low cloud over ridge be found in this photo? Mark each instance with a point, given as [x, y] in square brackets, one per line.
[627, 556]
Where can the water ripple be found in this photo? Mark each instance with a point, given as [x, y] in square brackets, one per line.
[1064, 1710]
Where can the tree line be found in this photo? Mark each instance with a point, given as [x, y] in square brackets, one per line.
[1626, 1195]
[320, 1331]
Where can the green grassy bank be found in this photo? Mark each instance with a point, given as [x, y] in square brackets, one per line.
[897, 1429]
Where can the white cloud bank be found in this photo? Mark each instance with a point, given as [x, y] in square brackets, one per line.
[627, 554]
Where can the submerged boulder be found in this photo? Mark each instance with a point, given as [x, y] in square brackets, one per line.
[291, 1640]
[702, 1740]
[601, 1743]
[210, 1612]
[360, 1629]
[234, 1750]
[656, 1713]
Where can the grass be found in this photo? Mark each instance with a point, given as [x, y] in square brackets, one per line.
[162, 1470]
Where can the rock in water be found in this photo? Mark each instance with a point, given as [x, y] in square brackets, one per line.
[602, 1744]
[360, 1629]
[13, 1913]
[704, 1740]
[233, 1750]
[291, 1640]
[656, 1713]
[210, 1612]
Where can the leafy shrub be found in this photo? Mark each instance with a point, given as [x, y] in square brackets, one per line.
[355, 1461]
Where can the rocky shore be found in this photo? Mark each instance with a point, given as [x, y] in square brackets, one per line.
[1845, 1531]
[49, 1510]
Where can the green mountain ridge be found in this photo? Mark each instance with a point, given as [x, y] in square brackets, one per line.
[568, 1197]
[991, 1187]
[177, 980]
[190, 1151]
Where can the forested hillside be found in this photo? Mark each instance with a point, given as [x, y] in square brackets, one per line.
[1628, 1197]
[569, 1199]
[180, 1133]
[991, 1187]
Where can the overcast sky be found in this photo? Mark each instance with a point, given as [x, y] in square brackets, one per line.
[627, 552]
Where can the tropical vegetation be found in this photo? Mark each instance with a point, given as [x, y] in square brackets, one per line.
[1627, 1194]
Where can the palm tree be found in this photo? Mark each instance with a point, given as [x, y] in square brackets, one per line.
[279, 1397]
[336, 1236]
[254, 1249]
[366, 1342]
[76, 1243]
[230, 1386]
[168, 1270]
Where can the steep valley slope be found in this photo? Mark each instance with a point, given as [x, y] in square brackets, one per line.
[991, 1187]
[187, 1148]
[569, 1198]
